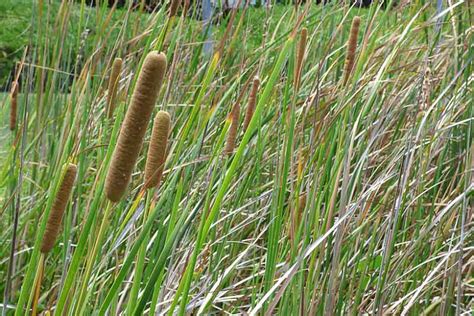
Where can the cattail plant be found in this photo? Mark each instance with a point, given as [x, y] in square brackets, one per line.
[300, 56]
[128, 147]
[174, 8]
[57, 210]
[133, 129]
[251, 103]
[153, 173]
[13, 105]
[53, 226]
[234, 126]
[351, 49]
[157, 151]
[113, 85]
[296, 216]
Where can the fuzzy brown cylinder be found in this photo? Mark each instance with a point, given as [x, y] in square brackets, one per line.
[351, 49]
[300, 55]
[113, 86]
[57, 211]
[13, 106]
[133, 129]
[234, 126]
[252, 102]
[297, 215]
[156, 157]
[174, 8]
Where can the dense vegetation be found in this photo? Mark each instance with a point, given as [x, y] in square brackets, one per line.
[346, 189]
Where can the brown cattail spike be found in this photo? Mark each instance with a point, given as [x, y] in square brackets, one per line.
[157, 151]
[13, 105]
[351, 49]
[133, 129]
[252, 102]
[296, 216]
[57, 211]
[113, 86]
[174, 8]
[234, 126]
[300, 56]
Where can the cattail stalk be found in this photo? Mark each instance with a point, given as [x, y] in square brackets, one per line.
[300, 56]
[154, 167]
[113, 86]
[234, 126]
[133, 129]
[13, 105]
[53, 226]
[252, 102]
[157, 151]
[351, 49]
[57, 211]
[37, 285]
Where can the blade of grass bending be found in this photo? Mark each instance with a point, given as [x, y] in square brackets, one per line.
[197, 105]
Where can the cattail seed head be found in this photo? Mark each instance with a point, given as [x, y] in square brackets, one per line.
[113, 86]
[234, 126]
[252, 102]
[296, 215]
[299, 56]
[13, 105]
[157, 151]
[351, 49]
[133, 129]
[174, 8]
[59, 206]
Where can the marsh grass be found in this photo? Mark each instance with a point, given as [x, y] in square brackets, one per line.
[341, 196]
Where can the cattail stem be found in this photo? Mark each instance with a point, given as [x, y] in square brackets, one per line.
[234, 126]
[37, 285]
[135, 124]
[300, 56]
[113, 86]
[251, 103]
[92, 257]
[140, 262]
[13, 105]
[351, 49]
[157, 151]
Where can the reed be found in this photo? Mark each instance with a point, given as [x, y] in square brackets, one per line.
[234, 127]
[300, 57]
[157, 151]
[13, 105]
[252, 102]
[133, 130]
[351, 49]
[113, 86]
[57, 210]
